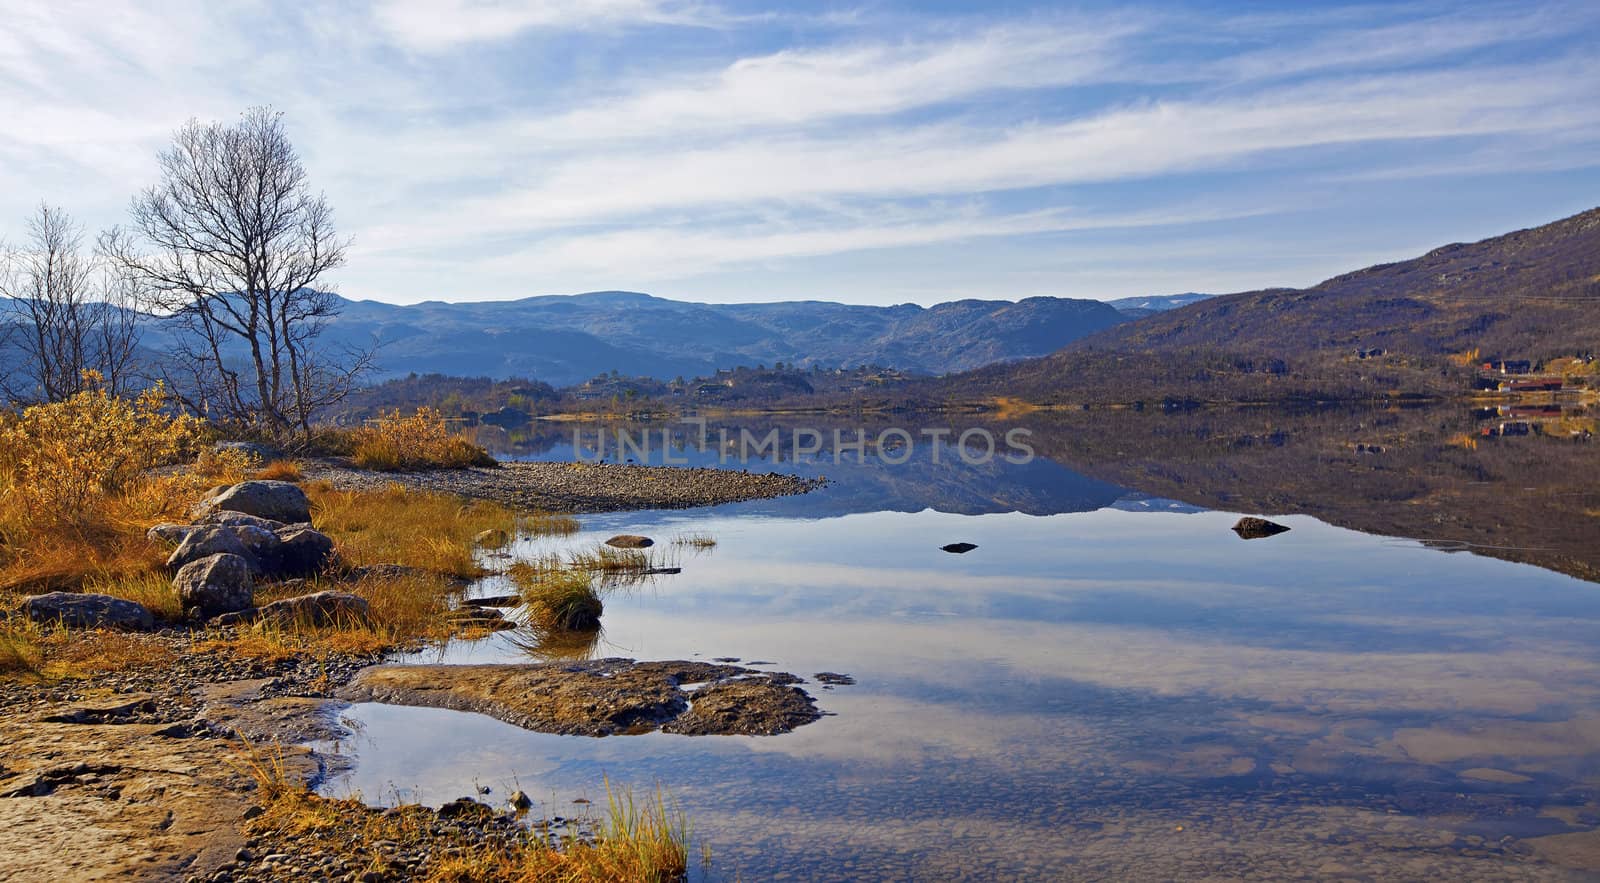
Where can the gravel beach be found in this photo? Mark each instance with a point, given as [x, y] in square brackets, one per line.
[576, 488]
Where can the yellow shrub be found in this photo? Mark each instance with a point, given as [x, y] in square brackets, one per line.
[397, 443]
[59, 461]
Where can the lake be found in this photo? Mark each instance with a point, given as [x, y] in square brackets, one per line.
[1112, 684]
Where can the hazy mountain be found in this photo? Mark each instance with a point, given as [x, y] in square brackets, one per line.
[1140, 307]
[1410, 326]
[566, 339]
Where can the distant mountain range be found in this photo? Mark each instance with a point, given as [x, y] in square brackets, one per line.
[1139, 307]
[1415, 326]
[567, 339]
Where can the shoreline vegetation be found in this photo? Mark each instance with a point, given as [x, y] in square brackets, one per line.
[92, 487]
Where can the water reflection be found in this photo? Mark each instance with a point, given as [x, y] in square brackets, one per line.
[1121, 687]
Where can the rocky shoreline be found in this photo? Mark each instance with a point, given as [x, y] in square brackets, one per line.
[576, 488]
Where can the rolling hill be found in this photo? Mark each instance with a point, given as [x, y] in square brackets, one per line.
[568, 339]
[1416, 326]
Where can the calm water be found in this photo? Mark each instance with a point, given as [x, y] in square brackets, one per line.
[1112, 685]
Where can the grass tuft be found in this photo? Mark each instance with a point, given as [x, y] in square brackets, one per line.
[281, 470]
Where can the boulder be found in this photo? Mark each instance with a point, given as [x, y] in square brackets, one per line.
[88, 611]
[277, 500]
[630, 541]
[300, 550]
[317, 609]
[262, 544]
[1256, 528]
[216, 584]
[959, 548]
[235, 519]
[203, 542]
[171, 534]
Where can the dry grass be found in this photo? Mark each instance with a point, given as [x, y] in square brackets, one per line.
[432, 532]
[151, 588]
[695, 539]
[637, 840]
[281, 470]
[558, 600]
[54, 653]
[399, 443]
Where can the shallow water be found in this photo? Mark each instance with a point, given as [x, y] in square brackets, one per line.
[1124, 691]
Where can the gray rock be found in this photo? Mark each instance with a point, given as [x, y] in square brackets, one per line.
[88, 611]
[234, 519]
[203, 542]
[214, 585]
[261, 543]
[520, 801]
[278, 500]
[318, 609]
[172, 534]
[630, 541]
[299, 551]
[1257, 528]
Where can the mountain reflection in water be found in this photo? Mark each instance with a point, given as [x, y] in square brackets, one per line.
[1112, 684]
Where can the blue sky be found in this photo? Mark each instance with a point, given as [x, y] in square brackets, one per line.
[873, 152]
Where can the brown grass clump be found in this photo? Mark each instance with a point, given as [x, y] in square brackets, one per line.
[398, 443]
[54, 653]
[559, 600]
[281, 470]
[152, 588]
[430, 531]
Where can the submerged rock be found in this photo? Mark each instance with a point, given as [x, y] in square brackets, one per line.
[276, 500]
[218, 584]
[88, 611]
[630, 541]
[600, 697]
[1256, 528]
[959, 548]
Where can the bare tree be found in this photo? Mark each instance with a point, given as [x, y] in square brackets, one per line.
[67, 312]
[232, 246]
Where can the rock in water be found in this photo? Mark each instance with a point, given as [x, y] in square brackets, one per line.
[276, 500]
[215, 585]
[630, 541]
[88, 611]
[1257, 528]
[959, 548]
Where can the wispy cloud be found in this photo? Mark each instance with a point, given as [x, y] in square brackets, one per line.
[507, 148]
[441, 25]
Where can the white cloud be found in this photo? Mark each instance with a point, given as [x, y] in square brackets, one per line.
[795, 87]
[1139, 141]
[439, 25]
